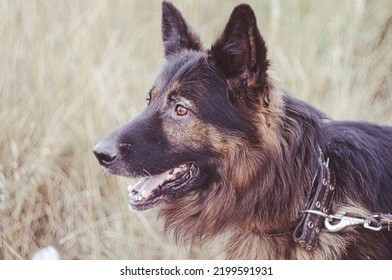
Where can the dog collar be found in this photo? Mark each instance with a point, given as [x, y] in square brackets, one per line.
[306, 234]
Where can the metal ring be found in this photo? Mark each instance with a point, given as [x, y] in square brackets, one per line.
[309, 248]
[325, 182]
[310, 224]
[331, 187]
[318, 204]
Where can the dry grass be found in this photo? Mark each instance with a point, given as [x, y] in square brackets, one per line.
[71, 71]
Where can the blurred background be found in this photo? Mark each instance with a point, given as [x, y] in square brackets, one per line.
[71, 71]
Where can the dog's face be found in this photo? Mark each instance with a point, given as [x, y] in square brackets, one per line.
[200, 101]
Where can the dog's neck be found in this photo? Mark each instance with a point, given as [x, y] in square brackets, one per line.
[306, 230]
[288, 165]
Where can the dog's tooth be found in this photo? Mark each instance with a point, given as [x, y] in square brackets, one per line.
[145, 193]
[177, 170]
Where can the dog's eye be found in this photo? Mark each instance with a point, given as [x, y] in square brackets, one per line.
[181, 110]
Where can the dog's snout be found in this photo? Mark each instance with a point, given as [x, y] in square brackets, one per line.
[106, 152]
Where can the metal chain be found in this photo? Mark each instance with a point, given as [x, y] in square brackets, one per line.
[385, 220]
[338, 222]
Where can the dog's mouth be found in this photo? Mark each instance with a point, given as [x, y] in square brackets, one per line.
[151, 191]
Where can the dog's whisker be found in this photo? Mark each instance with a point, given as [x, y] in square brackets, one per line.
[223, 177]
[148, 173]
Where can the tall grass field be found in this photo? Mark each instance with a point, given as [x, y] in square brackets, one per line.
[71, 71]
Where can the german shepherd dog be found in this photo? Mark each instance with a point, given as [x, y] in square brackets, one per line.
[223, 152]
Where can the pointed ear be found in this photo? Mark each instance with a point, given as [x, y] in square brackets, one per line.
[177, 35]
[240, 52]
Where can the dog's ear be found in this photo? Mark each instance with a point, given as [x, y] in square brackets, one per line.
[240, 52]
[177, 35]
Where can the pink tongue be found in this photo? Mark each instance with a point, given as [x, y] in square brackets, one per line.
[150, 183]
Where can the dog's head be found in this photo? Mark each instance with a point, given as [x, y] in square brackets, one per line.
[203, 103]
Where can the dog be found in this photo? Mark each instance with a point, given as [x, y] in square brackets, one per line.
[224, 153]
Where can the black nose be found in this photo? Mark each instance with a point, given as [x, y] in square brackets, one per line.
[106, 152]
